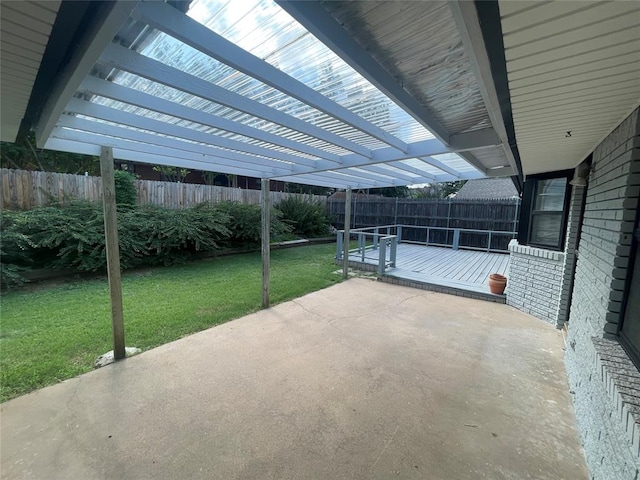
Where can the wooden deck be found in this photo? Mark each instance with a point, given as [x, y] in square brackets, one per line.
[461, 272]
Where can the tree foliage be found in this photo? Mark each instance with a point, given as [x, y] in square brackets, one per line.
[307, 216]
[26, 156]
[439, 190]
[71, 236]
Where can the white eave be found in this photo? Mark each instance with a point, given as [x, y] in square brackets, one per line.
[574, 75]
[24, 28]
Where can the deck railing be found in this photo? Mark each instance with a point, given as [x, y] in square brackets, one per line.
[378, 239]
[369, 242]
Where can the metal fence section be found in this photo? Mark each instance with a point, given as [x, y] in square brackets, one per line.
[25, 189]
[472, 219]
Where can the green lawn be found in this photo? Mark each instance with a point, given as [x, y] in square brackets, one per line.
[50, 333]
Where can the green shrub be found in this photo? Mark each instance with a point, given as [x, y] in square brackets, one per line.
[307, 216]
[170, 236]
[71, 236]
[245, 223]
[125, 187]
[14, 251]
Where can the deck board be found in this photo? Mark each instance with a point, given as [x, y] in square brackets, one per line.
[468, 270]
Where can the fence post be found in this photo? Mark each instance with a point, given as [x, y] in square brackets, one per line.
[339, 245]
[394, 251]
[489, 243]
[399, 233]
[381, 257]
[395, 215]
[427, 236]
[456, 238]
[376, 238]
[347, 234]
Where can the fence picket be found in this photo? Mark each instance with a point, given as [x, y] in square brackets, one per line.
[23, 189]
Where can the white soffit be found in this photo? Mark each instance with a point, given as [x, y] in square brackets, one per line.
[573, 66]
[24, 28]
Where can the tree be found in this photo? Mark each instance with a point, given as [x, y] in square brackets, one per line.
[439, 190]
[171, 174]
[25, 156]
[399, 192]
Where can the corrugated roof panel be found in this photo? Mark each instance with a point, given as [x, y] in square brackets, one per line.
[419, 44]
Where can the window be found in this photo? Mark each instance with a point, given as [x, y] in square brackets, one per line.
[544, 211]
[548, 212]
[630, 327]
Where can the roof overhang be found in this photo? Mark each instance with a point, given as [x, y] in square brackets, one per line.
[573, 72]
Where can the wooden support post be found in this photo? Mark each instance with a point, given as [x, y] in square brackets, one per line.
[266, 252]
[347, 234]
[113, 252]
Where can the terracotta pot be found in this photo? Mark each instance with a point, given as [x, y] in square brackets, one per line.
[497, 283]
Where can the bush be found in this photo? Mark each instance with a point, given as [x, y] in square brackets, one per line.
[245, 224]
[14, 251]
[307, 216]
[72, 237]
[170, 236]
[125, 187]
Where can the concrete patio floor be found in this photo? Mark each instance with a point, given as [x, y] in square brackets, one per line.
[363, 380]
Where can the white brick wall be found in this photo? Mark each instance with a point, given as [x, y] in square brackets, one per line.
[535, 281]
[603, 414]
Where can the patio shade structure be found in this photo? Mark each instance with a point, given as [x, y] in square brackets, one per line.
[242, 89]
[347, 95]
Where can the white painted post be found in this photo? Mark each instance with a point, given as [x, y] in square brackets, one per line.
[266, 252]
[347, 233]
[113, 252]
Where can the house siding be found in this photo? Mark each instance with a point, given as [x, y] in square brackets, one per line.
[604, 383]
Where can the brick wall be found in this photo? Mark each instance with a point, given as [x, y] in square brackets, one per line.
[535, 281]
[570, 257]
[603, 259]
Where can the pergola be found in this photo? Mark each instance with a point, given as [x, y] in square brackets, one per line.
[338, 94]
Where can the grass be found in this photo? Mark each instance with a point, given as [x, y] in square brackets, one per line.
[51, 333]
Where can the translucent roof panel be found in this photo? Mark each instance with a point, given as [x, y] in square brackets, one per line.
[241, 85]
[262, 28]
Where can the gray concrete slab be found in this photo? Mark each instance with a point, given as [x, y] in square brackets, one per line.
[362, 380]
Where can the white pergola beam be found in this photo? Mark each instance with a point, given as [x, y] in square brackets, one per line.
[137, 98]
[178, 25]
[112, 16]
[391, 173]
[474, 140]
[153, 159]
[465, 16]
[124, 59]
[315, 18]
[178, 155]
[321, 181]
[87, 126]
[137, 121]
[438, 164]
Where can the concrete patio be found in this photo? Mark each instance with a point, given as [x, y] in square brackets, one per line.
[362, 380]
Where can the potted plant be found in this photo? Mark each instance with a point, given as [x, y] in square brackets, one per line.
[497, 283]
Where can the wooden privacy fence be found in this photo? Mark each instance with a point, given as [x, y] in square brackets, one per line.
[24, 189]
[489, 215]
